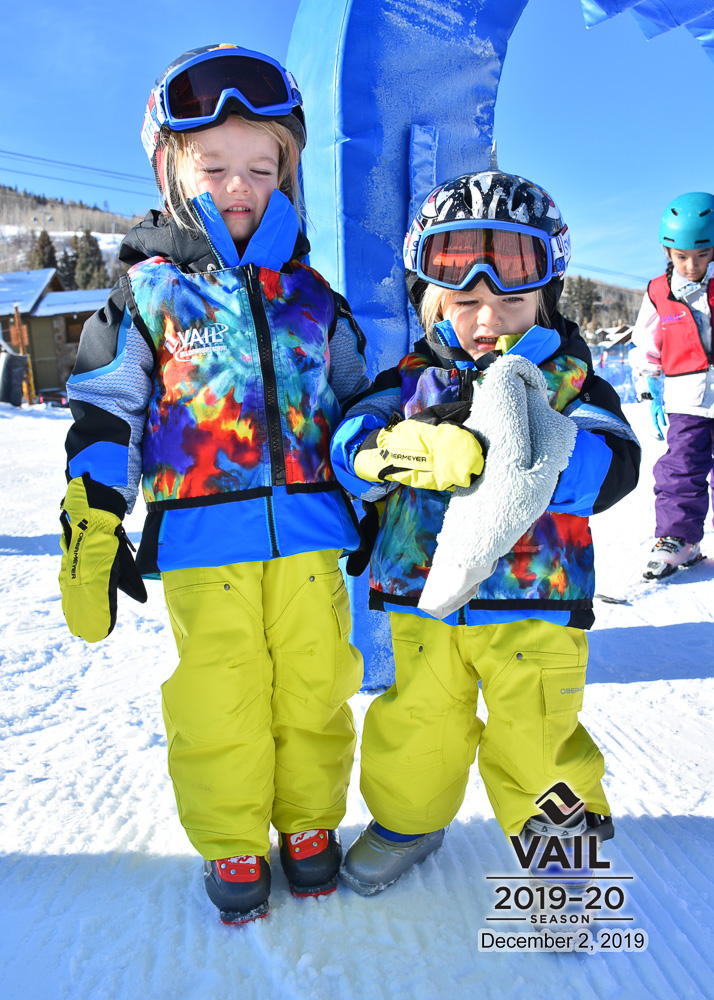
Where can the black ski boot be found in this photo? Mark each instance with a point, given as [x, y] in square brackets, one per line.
[239, 887]
[310, 860]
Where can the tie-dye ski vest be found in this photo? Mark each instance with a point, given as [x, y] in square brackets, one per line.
[231, 412]
[551, 562]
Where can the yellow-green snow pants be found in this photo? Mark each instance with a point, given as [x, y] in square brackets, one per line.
[256, 716]
[420, 737]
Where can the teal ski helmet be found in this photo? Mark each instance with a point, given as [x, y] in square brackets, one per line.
[688, 222]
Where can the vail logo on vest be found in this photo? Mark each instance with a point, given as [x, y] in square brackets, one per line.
[672, 317]
[199, 340]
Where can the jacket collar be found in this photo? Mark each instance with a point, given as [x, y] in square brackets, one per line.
[682, 287]
[535, 345]
[197, 245]
[271, 245]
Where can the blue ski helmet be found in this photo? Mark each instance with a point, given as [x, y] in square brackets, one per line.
[688, 222]
[203, 86]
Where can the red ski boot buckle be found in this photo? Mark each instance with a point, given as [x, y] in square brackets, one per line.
[306, 844]
[242, 869]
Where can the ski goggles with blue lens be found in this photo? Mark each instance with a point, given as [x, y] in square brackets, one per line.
[515, 257]
[194, 95]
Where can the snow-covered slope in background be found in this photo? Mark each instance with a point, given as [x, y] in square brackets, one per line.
[109, 243]
[101, 895]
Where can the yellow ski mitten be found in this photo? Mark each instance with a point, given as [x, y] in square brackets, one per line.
[95, 559]
[414, 452]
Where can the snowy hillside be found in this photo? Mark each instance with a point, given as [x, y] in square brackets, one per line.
[101, 895]
[19, 236]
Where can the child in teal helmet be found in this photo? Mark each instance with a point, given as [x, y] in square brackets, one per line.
[673, 347]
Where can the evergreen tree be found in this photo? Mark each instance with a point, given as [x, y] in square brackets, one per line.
[116, 271]
[579, 299]
[30, 250]
[67, 265]
[43, 251]
[91, 271]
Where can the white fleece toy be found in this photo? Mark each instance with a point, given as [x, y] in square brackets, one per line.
[527, 445]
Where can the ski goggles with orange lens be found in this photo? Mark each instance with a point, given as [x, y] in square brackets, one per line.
[515, 257]
[195, 93]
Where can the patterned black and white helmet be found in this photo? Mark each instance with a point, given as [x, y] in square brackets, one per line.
[490, 195]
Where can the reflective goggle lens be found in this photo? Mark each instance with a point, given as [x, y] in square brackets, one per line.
[197, 90]
[517, 259]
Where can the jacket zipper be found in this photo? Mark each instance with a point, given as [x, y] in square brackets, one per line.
[466, 384]
[265, 353]
[270, 389]
[219, 260]
[270, 384]
[466, 392]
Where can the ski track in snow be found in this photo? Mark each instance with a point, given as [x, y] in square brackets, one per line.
[101, 894]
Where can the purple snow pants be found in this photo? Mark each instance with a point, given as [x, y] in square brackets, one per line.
[681, 495]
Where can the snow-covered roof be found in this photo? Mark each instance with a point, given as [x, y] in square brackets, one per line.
[619, 337]
[23, 288]
[63, 303]
[611, 336]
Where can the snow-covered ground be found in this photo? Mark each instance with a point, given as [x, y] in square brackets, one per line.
[101, 895]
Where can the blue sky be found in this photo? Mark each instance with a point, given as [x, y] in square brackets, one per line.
[613, 125]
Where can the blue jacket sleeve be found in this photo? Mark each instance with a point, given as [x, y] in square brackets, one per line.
[605, 463]
[580, 482]
[345, 444]
[368, 412]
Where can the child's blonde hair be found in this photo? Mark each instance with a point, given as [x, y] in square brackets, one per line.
[431, 308]
[179, 150]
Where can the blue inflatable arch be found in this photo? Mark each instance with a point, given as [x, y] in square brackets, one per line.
[400, 94]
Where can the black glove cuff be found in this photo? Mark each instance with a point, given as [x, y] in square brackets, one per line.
[445, 413]
[371, 440]
[128, 576]
[102, 497]
[358, 561]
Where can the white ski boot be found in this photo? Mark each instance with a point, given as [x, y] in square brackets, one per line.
[567, 867]
[668, 554]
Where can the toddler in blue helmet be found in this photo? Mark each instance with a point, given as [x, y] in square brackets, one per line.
[216, 373]
[443, 443]
[673, 347]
